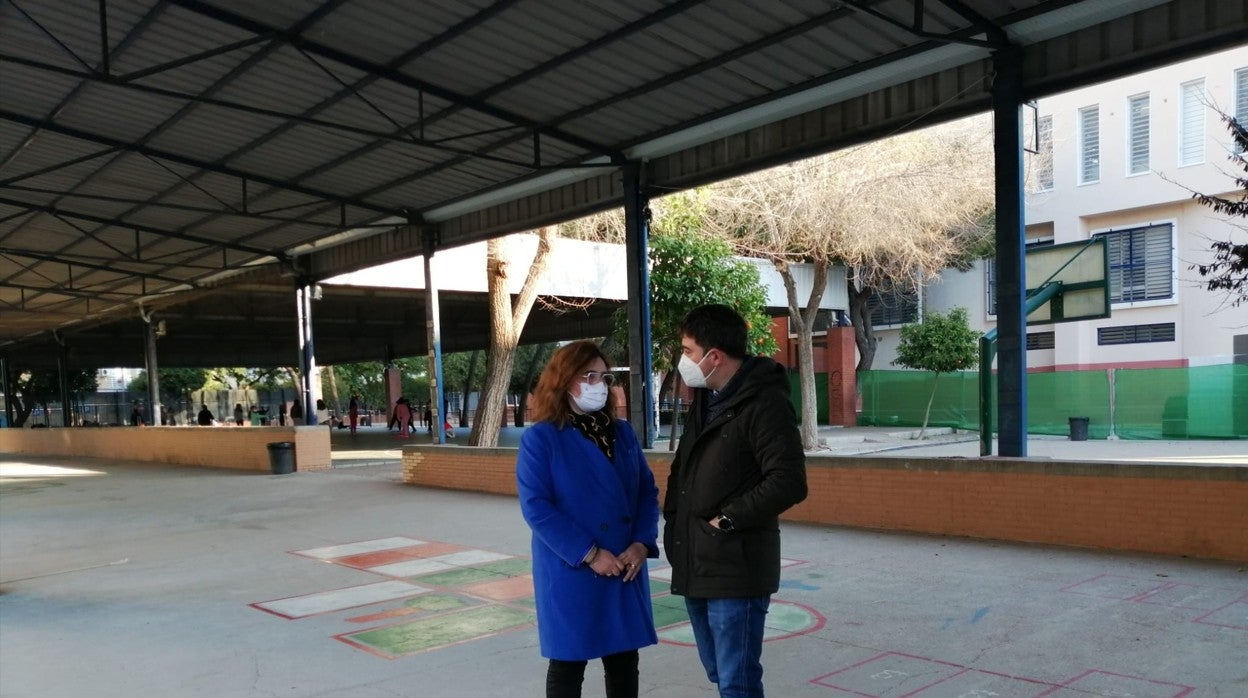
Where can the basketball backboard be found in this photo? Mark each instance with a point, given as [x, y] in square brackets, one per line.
[1082, 269]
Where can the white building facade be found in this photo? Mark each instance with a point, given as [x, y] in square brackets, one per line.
[1122, 160]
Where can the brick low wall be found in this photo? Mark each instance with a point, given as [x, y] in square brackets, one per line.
[1192, 510]
[240, 448]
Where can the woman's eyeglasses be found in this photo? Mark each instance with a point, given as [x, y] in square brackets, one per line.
[596, 377]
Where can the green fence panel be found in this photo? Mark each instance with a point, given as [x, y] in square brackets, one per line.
[899, 398]
[1054, 397]
[1197, 402]
[1202, 402]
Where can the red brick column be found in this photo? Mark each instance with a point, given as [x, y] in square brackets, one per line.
[842, 357]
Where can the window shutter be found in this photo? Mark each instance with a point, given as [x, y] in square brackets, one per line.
[1089, 145]
[1138, 107]
[1192, 123]
[1141, 264]
[1241, 95]
[1044, 154]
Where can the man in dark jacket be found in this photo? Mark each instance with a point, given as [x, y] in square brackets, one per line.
[739, 465]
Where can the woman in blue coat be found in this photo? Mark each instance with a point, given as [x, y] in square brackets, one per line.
[589, 496]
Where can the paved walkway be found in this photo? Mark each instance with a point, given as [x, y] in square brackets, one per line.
[124, 579]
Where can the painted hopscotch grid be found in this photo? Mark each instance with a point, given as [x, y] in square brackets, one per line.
[465, 594]
[901, 675]
[321, 602]
[1224, 607]
[439, 594]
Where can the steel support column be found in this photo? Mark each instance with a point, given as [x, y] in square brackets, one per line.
[153, 373]
[6, 386]
[1007, 99]
[637, 250]
[308, 386]
[62, 370]
[433, 332]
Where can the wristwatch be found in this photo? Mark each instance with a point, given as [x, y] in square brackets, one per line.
[725, 524]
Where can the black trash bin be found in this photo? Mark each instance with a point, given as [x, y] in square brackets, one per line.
[1078, 428]
[282, 457]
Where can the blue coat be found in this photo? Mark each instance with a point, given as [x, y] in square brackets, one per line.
[573, 498]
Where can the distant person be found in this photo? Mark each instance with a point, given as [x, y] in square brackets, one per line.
[239, 415]
[429, 419]
[296, 412]
[403, 413]
[589, 496]
[353, 412]
[281, 413]
[136, 417]
[322, 413]
[205, 417]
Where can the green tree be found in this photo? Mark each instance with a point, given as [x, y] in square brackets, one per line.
[177, 383]
[1228, 271]
[688, 269]
[36, 387]
[940, 343]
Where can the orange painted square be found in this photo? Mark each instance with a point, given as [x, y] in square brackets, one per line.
[385, 557]
[508, 589]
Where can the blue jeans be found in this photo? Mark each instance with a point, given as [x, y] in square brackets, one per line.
[729, 633]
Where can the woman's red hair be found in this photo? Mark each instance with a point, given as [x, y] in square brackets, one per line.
[550, 397]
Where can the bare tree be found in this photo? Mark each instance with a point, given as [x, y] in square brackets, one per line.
[894, 212]
[507, 318]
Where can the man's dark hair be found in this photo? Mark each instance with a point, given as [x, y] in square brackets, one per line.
[717, 327]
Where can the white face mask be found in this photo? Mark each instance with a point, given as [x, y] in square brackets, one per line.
[592, 397]
[691, 371]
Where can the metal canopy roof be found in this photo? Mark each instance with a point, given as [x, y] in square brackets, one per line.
[152, 151]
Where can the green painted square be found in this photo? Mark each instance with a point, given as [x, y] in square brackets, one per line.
[437, 602]
[428, 633]
[658, 586]
[487, 572]
[669, 610]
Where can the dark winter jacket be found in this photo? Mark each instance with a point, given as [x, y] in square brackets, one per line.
[746, 463]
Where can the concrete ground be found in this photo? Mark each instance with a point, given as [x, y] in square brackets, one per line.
[125, 579]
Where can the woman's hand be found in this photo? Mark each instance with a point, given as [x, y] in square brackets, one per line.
[634, 560]
[606, 564]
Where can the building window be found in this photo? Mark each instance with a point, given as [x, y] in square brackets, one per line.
[1137, 145]
[1192, 123]
[896, 307]
[1141, 263]
[1135, 334]
[1241, 97]
[1043, 158]
[990, 274]
[1039, 340]
[1089, 145]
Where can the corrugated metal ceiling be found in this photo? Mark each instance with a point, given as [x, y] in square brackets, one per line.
[155, 147]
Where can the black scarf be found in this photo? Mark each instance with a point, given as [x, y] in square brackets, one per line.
[597, 427]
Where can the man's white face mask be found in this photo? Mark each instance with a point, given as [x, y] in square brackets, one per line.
[691, 371]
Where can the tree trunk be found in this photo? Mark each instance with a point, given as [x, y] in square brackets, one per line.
[864, 331]
[463, 395]
[507, 318]
[802, 320]
[671, 427]
[530, 371]
[928, 412]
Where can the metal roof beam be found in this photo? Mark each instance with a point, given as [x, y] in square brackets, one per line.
[49, 125]
[177, 235]
[389, 73]
[996, 35]
[64, 259]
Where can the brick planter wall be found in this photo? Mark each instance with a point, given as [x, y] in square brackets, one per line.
[1193, 510]
[240, 448]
